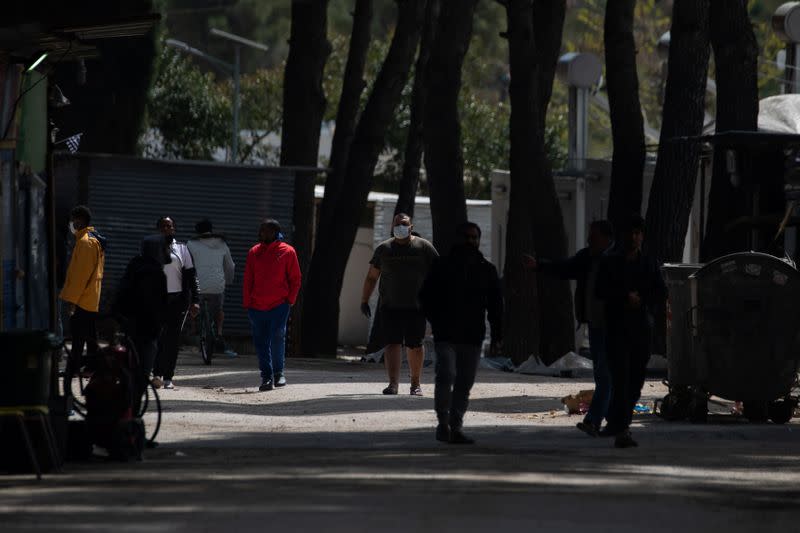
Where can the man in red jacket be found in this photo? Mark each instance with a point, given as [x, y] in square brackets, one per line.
[271, 284]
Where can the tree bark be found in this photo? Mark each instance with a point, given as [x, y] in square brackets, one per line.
[412, 159]
[538, 309]
[321, 315]
[627, 124]
[353, 85]
[444, 160]
[672, 193]
[303, 109]
[736, 61]
[556, 318]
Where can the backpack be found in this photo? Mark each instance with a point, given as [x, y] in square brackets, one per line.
[111, 419]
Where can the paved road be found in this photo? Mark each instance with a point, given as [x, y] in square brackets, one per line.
[329, 453]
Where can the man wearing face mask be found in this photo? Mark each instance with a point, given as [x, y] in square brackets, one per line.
[182, 293]
[460, 291]
[271, 284]
[401, 264]
[83, 283]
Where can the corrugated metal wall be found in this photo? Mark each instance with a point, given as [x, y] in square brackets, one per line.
[127, 196]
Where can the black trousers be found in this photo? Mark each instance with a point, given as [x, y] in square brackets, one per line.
[169, 341]
[83, 328]
[628, 347]
[456, 367]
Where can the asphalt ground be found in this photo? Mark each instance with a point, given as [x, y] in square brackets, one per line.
[330, 453]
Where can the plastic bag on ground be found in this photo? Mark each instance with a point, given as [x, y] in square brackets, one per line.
[570, 365]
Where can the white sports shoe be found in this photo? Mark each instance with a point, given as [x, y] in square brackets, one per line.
[168, 384]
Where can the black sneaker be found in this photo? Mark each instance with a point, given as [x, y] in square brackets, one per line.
[457, 437]
[589, 429]
[390, 390]
[266, 385]
[443, 433]
[624, 440]
[280, 380]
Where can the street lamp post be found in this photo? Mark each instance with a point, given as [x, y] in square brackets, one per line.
[232, 69]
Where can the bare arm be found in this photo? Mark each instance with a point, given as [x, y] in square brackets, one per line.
[369, 283]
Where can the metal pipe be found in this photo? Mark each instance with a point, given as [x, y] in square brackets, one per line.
[236, 101]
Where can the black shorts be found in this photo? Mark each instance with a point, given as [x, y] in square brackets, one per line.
[402, 326]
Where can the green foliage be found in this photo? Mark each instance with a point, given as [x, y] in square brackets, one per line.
[188, 114]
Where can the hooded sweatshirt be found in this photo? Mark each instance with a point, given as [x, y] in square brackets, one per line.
[213, 262]
[85, 272]
[271, 276]
[142, 294]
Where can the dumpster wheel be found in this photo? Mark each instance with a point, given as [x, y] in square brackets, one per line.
[674, 407]
[781, 411]
[756, 412]
[698, 407]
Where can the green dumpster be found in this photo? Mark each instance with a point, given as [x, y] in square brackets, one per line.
[25, 356]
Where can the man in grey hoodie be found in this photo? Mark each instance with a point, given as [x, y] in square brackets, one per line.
[215, 269]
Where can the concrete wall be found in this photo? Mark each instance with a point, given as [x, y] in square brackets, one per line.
[353, 326]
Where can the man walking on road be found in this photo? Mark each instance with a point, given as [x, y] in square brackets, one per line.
[631, 286]
[271, 284]
[182, 295]
[583, 267]
[456, 297]
[215, 269]
[83, 284]
[401, 264]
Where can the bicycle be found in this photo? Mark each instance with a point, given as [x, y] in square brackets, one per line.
[75, 389]
[208, 336]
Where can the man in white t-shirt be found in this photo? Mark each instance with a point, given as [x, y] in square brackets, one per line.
[182, 292]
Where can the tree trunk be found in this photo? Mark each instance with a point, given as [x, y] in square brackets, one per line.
[538, 309]
[672, 193]
[556, 318]
[353, 85]
[736, 61]
[444, 160]
[627, 125]
[330, 255]
[412, 159]
[303, 109]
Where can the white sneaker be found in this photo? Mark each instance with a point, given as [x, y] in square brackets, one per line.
[168, 384]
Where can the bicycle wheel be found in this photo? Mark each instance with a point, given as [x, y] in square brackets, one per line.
[206, 335]
[145, 406]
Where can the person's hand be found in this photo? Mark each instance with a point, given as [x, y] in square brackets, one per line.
[528, 261]
[194, 310]
[365, 310]
[70, 309]
[634, 300]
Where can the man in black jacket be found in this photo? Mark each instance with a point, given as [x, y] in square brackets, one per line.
[456, 296]
[631, 287]
[583, 267]
[141, 303]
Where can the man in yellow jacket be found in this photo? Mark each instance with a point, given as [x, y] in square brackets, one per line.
[84, 280]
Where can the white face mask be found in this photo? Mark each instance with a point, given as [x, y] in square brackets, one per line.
[72, 228]
[401, 232]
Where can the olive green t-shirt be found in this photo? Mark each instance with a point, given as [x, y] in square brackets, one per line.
[404, 268]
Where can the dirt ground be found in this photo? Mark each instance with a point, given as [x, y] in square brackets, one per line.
[330, 453]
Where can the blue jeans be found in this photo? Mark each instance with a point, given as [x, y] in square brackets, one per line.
[269, 334]
[602, 377]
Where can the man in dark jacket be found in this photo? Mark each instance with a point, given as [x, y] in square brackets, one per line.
[583, 267]
[631, 287]
[456, 296]
[141, 302]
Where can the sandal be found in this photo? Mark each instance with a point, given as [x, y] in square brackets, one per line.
[391, 389]
[416, 390]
